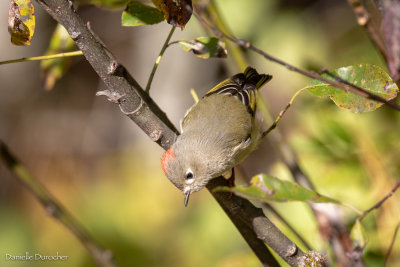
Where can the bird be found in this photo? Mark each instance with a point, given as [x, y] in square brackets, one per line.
[217, 133]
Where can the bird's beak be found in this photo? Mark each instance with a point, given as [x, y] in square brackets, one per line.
[186, 192]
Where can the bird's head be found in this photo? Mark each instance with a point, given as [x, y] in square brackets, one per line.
[186, 171]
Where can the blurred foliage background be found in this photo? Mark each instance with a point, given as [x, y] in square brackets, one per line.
[107, 172]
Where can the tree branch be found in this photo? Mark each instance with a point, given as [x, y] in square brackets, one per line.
[243, 213]
[141, 109]
[101, 256]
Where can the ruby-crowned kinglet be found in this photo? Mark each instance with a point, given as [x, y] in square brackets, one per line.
[218, 133]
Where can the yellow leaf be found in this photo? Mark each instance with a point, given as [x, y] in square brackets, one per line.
[21, 21]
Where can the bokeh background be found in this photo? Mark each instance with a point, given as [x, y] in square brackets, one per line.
[106, 171]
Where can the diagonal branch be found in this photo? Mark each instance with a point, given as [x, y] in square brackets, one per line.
[141, 109]
[275, 123]
[101, 256]
[380, 202]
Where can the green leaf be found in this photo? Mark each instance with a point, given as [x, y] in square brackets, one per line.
[54, 69]
[369, 77]
[205, 47]
[267, 188]
[21, 21]
[137, 14]
[358, 235]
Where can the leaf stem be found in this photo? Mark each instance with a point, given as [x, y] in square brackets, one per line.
[159, 59]
[274, 124]
[67, 54]
[174, 42]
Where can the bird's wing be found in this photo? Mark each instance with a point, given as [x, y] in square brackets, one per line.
[243, 86]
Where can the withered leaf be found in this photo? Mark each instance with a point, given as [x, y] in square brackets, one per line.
[176, 12]
[21, 21]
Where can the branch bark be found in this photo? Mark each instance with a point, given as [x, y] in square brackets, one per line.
[141, 109]
[254, 226]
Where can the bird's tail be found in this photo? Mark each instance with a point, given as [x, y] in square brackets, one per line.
[255, 79]
[243, 86]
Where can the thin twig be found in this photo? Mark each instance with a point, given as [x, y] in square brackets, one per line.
[100, 255]
[174, 42]
[155, 66]
[274, 124]
[396, 230]
[349, 87]
[67, 54]
[379, 204]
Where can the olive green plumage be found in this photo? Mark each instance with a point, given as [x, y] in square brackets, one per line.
[218, 132]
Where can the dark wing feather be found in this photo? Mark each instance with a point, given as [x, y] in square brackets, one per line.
[242, 86]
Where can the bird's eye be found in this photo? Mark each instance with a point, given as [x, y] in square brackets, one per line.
[189, 174]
